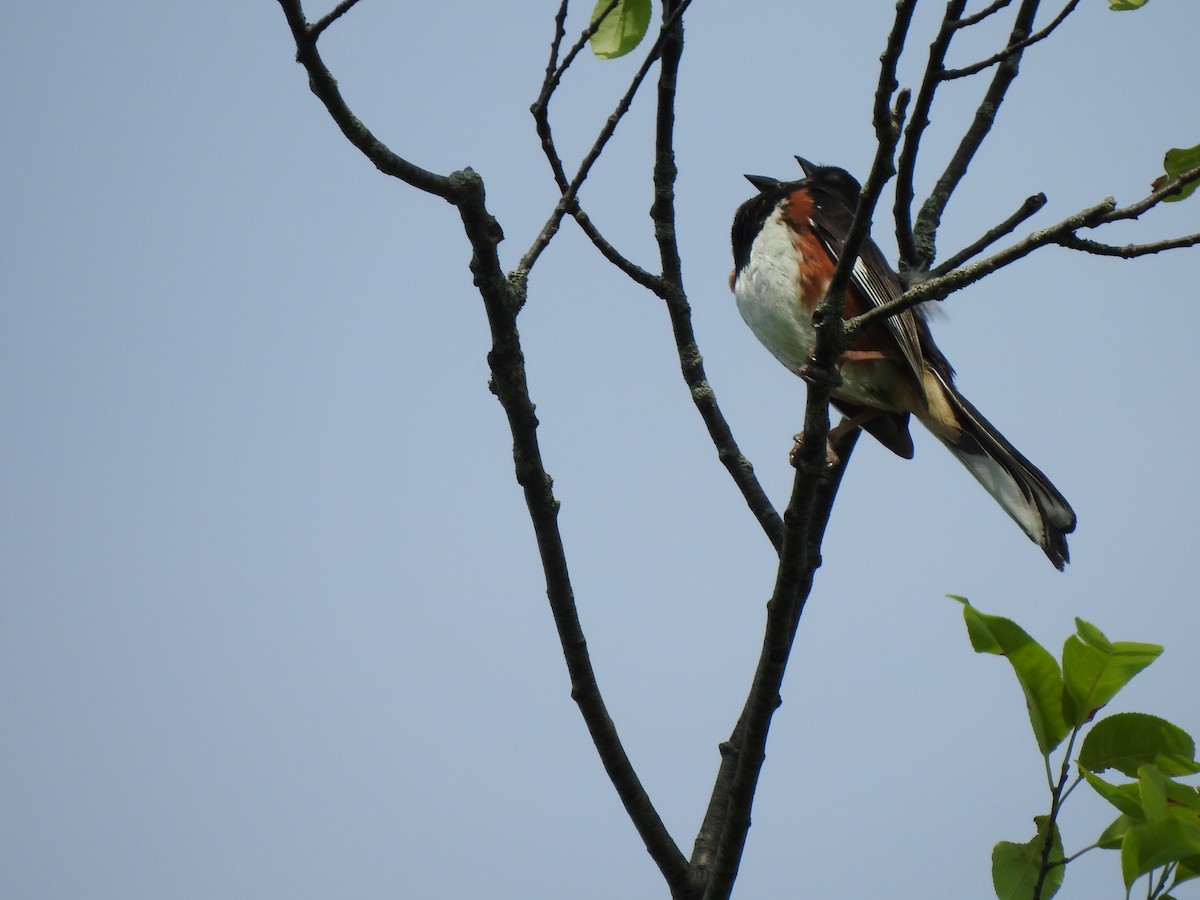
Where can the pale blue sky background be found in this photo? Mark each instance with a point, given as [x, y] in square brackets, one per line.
[272, 623]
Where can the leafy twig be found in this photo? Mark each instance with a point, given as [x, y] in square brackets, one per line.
[567, 200]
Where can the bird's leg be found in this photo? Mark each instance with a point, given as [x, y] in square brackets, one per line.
[814, 373]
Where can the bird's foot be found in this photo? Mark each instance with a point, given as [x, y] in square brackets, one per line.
[800, 451]
[814, 373]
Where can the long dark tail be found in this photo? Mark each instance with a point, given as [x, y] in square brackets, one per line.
[1017, 484]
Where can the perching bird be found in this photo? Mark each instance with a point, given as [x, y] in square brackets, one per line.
[786, 243]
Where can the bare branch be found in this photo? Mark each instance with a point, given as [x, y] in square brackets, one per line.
[985, 115]
[554, 75]
[325, 87]
[805, 517]
[941, 286]
[1168, 189]
[951, 74]
[911, 256]
[1029, 208]
[691, 363]
[541, 117]
[610, 126]
[503, 298]
[336, 13]
[1129, 251]
[1064, 233]
[978, 17]
[560, 32]
[721, 839]
[668, 288]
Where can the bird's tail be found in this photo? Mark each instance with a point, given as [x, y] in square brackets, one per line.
[1017, 484]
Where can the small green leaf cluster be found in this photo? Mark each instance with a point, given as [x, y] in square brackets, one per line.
[622, 28]
[1157, 830]
[1177, 161]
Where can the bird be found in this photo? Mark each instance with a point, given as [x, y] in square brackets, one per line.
[786, 243]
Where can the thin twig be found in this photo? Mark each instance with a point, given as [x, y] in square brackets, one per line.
[1129, 251]
[941, 286]
[554, 75]
[560, 32]
[1056, 801]
[691, 363]
[336, 13]
[669, 289]
[1064, 233]
[930, 217]
[610, 126]
[1027, 209]
[951, 74]
[912, 257]
[322, 83]
[976, 18]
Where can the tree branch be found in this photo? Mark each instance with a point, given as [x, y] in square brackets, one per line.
[1129, 251]
[913, 258]
[984, 13]
[503, 298]
[1064, 234]
[721, 840]
[668, 286]
[813, 491]
[322, 83]
[691, 363]
[930, 217]
[1027, 209]
[541, 117]
[951, 74]
[567, 200]
[325, 21]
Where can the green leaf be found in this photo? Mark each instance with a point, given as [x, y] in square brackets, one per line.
[1126, 741]
[1183, 801]
[1037, 671]
[1111, 837]
[1176, 162]
[1149, 846]
[1126, 4]
[1125, 797]
[1095, 669]
[1152, 788]
[1015, 867]
[1187, 869]
[622, 29]
[1091, 635]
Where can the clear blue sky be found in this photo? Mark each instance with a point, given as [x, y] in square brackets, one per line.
[272, 624]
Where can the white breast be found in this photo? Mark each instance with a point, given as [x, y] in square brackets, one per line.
[767, 291]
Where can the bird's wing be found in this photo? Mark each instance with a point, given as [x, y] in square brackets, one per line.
[874, 279]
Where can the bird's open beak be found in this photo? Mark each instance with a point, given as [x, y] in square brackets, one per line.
[763, 182]
[808, 167]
